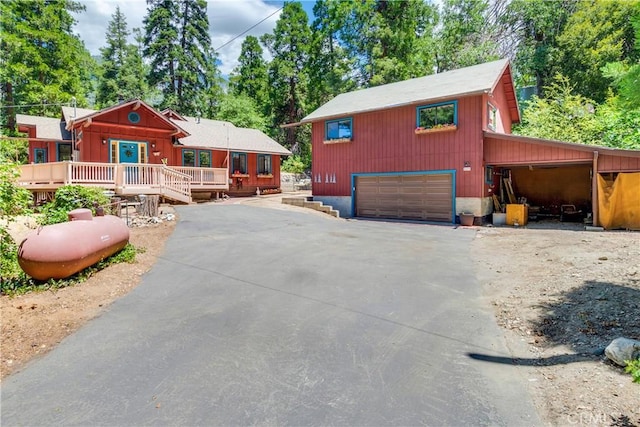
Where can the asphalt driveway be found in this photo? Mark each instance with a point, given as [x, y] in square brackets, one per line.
[257, 316]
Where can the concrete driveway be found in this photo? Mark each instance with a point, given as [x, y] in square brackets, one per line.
[257, 316]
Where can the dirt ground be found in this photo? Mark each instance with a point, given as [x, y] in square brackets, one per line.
[560, 295]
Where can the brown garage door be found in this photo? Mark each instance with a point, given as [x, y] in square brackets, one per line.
[426, 197]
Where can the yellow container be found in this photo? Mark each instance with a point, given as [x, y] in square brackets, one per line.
[517, 214]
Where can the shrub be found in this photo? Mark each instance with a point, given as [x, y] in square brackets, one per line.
[14, 200]
[633, 368]
[72, 197]
[9, 268]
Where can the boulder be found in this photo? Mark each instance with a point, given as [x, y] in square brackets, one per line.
[622, 349]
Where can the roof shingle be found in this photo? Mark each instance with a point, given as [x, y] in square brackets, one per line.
[461, 82]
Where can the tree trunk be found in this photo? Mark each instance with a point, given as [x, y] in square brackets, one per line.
[149, 206]
[11, 112]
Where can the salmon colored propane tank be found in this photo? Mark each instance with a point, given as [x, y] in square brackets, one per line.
[61, 250]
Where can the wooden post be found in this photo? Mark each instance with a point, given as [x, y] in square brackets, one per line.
[594, 190]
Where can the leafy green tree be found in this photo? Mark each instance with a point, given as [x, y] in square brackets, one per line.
[561, 115]
[465, 37]
[249, 78]
[535, 25]
[620, 126]
[289, 46]
[178, 46]
[597, 33]
[242, 111]
[626, 74]
[14, 150]
[294, 164]
[14, 200]
[41, 60]
[122, 69]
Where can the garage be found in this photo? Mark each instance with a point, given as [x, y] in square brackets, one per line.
[564, 181]
[552, 191]
[414, 196]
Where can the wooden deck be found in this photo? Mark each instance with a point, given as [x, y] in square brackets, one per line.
[175, 183]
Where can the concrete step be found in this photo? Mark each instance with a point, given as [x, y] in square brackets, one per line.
[308, 202]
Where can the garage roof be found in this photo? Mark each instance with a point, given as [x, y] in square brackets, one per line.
[467, 81]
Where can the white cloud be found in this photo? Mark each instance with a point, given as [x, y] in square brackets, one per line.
[227, 19]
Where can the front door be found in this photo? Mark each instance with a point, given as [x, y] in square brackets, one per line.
[129, 152]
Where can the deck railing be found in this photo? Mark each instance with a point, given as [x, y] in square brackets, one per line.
[125, 178]
[212, 178]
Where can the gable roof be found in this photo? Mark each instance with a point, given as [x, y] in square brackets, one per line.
[222, 135]
[46, 127]
[467, 81]
[194, 132]
[135, 103]
[73, 113]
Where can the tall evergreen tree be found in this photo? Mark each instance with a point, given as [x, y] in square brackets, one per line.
[250, 76]
[389, 40]
[288, 45]
[41, 60]
[179, 48]
[122, 69]
[329, 66]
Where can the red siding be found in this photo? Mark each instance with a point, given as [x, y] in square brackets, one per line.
[384, 141]
[499, 100]
[607, 163]
[501, 152]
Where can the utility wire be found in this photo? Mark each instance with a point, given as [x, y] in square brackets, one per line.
[249, 29]
[33, 105]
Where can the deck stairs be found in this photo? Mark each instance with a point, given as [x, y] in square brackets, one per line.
[308, 202]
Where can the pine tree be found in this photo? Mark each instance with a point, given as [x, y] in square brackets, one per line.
[329, 66]
[178, 45]
[289, 46]
[122, 69]
[249, 78]
[41, 60]
[387, 40]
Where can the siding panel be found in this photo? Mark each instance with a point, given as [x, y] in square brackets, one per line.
[385, 141]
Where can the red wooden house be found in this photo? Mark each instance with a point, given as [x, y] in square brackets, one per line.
[131, 148]
[433, 147]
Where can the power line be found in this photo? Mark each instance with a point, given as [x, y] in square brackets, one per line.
[249, 29]
[33, 105]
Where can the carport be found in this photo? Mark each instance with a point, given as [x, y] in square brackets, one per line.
[557, 178]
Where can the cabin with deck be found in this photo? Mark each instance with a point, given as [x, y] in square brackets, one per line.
[132, 149]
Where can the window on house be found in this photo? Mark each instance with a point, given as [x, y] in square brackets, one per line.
[204, 159]
[338, 129]
[188, 157]
[488, 175]
[438, 115]
[142, 147]
[64, 152]
[493, 117]
[239, 163]
[264, 164]
[40, 155]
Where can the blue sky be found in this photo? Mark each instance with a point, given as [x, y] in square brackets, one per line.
[227, 19]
